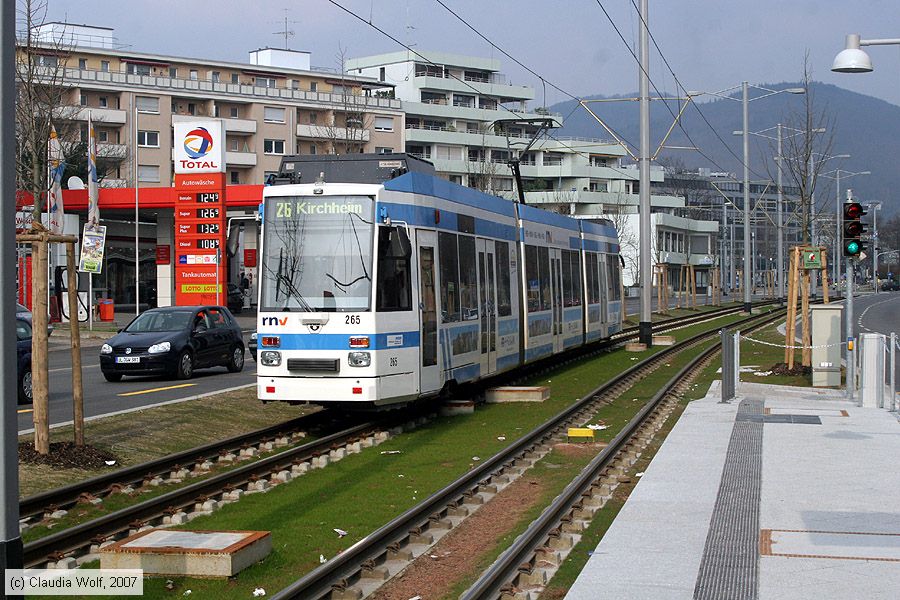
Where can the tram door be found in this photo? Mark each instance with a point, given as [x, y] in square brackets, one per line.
[487, 304]
[556, 297]
[604, 289]
[429, 369]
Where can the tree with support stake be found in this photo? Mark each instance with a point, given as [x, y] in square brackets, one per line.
[40, 240]
[803, 261]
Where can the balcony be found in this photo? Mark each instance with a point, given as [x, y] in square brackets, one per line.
[112, 151]
[232, 126]
[107, 182]
[328, 132]
[240, 159]
[107, 116]
[201, 88]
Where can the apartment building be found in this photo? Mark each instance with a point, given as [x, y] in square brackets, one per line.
[274, 104]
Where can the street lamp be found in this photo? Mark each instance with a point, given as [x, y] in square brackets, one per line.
[745, 100]
[839, 216]
[852, 59]
[779, 203]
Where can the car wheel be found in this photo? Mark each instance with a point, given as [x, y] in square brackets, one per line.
[113, 376]
[185, 368]
[25, 389]
[236, 359]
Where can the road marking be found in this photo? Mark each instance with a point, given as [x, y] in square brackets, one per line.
[70, 368]
[25, 410]
[159, 389]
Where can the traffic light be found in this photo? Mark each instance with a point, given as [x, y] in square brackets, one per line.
[854, 228]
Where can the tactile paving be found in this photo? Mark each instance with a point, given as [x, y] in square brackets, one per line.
[730, 564]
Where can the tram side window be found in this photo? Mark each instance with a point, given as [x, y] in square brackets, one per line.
[532, 279]
[504, 305]
[544, 270]
[571, 272]
[449, 277]
[593, 279]
[394, 293]
[468, 281]
[612, 263]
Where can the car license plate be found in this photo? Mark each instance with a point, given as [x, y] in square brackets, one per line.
[128, 359]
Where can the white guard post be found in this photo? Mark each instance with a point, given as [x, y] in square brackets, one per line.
[871, 394]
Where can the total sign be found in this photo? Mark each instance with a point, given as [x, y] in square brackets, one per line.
[199, 146]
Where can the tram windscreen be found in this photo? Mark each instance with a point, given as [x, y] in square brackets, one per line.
[317, 253]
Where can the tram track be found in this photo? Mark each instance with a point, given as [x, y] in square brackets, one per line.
[361, 569]
[200, 497]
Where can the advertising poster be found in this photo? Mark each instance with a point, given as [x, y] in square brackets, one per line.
[93, 242]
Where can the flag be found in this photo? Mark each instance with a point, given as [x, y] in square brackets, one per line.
[57, 167]
[93, 216]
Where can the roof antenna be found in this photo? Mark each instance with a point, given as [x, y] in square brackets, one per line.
[287, 32]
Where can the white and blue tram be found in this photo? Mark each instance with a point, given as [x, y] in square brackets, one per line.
[381, 283]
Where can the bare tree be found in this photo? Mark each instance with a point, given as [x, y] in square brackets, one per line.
[481, 170]
[805, 152]
[348, 127]
[40, 99]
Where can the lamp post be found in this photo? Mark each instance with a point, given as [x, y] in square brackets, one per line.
[645, 327]
[137, 237]
[875, 207]
[745, 101]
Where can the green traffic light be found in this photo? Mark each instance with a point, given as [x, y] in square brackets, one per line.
[852, 247]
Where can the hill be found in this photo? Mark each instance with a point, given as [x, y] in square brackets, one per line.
[866, 128]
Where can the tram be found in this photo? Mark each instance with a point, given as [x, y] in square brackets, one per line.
[382, 284]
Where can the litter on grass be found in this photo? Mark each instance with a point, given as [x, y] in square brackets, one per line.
[322, 559]
[186, 593]
[391, 451]
[341, 533]
[476, 458]
[639, 474]
[259, 592]
[598, 427]
[110, 463]
[501, 438]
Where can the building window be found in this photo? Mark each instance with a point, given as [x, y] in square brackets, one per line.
[235, 177]
[313, 86]
[192, 108]
[312, 149]
[82, 63]
[313, 118]
[104, 66]
[273, 114]
[234, 145]
[146, 104]
[82, 100]
[384, 123]
[103, 136]
[215, 76]
[103, 102]
[148, 173]
[193, 74]
[234, 78]
[295, 84]
[383, 150]
[233, 112]
[173, 72]
[273, 147]
[265, 82]
[135, 69]
[148, 139]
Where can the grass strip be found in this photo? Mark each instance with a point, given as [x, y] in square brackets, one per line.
[302, 515]
[155, 432]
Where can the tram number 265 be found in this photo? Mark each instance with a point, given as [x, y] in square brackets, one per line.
[393, 361]
[351, 320]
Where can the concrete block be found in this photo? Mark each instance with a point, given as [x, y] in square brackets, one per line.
[367, 442]
[260, 486]
[283, 476]
[337, 454]
[395, 430]
[354, 448]
[635, 347]
[66, 563]
[227, 458]
[205, 466]
[156, 481]
[511, 393]
[266, 447]
[58, 514]
[663, 340]
[300, 469]
[233, 495]
[452, 408]
[249, 452]
[188, 553]
[382, 436]
[320, 462]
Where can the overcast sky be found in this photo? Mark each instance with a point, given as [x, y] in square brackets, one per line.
[710, 44]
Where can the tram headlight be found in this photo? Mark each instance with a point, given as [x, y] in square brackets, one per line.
[359, 359]
[270, 358]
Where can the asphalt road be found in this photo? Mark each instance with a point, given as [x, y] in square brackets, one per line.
[877, 313]
[103, 397]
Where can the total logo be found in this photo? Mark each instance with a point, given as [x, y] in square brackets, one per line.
[198, 143]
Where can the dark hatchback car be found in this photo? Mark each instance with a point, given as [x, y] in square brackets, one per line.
[23, 360]
[174, 341]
